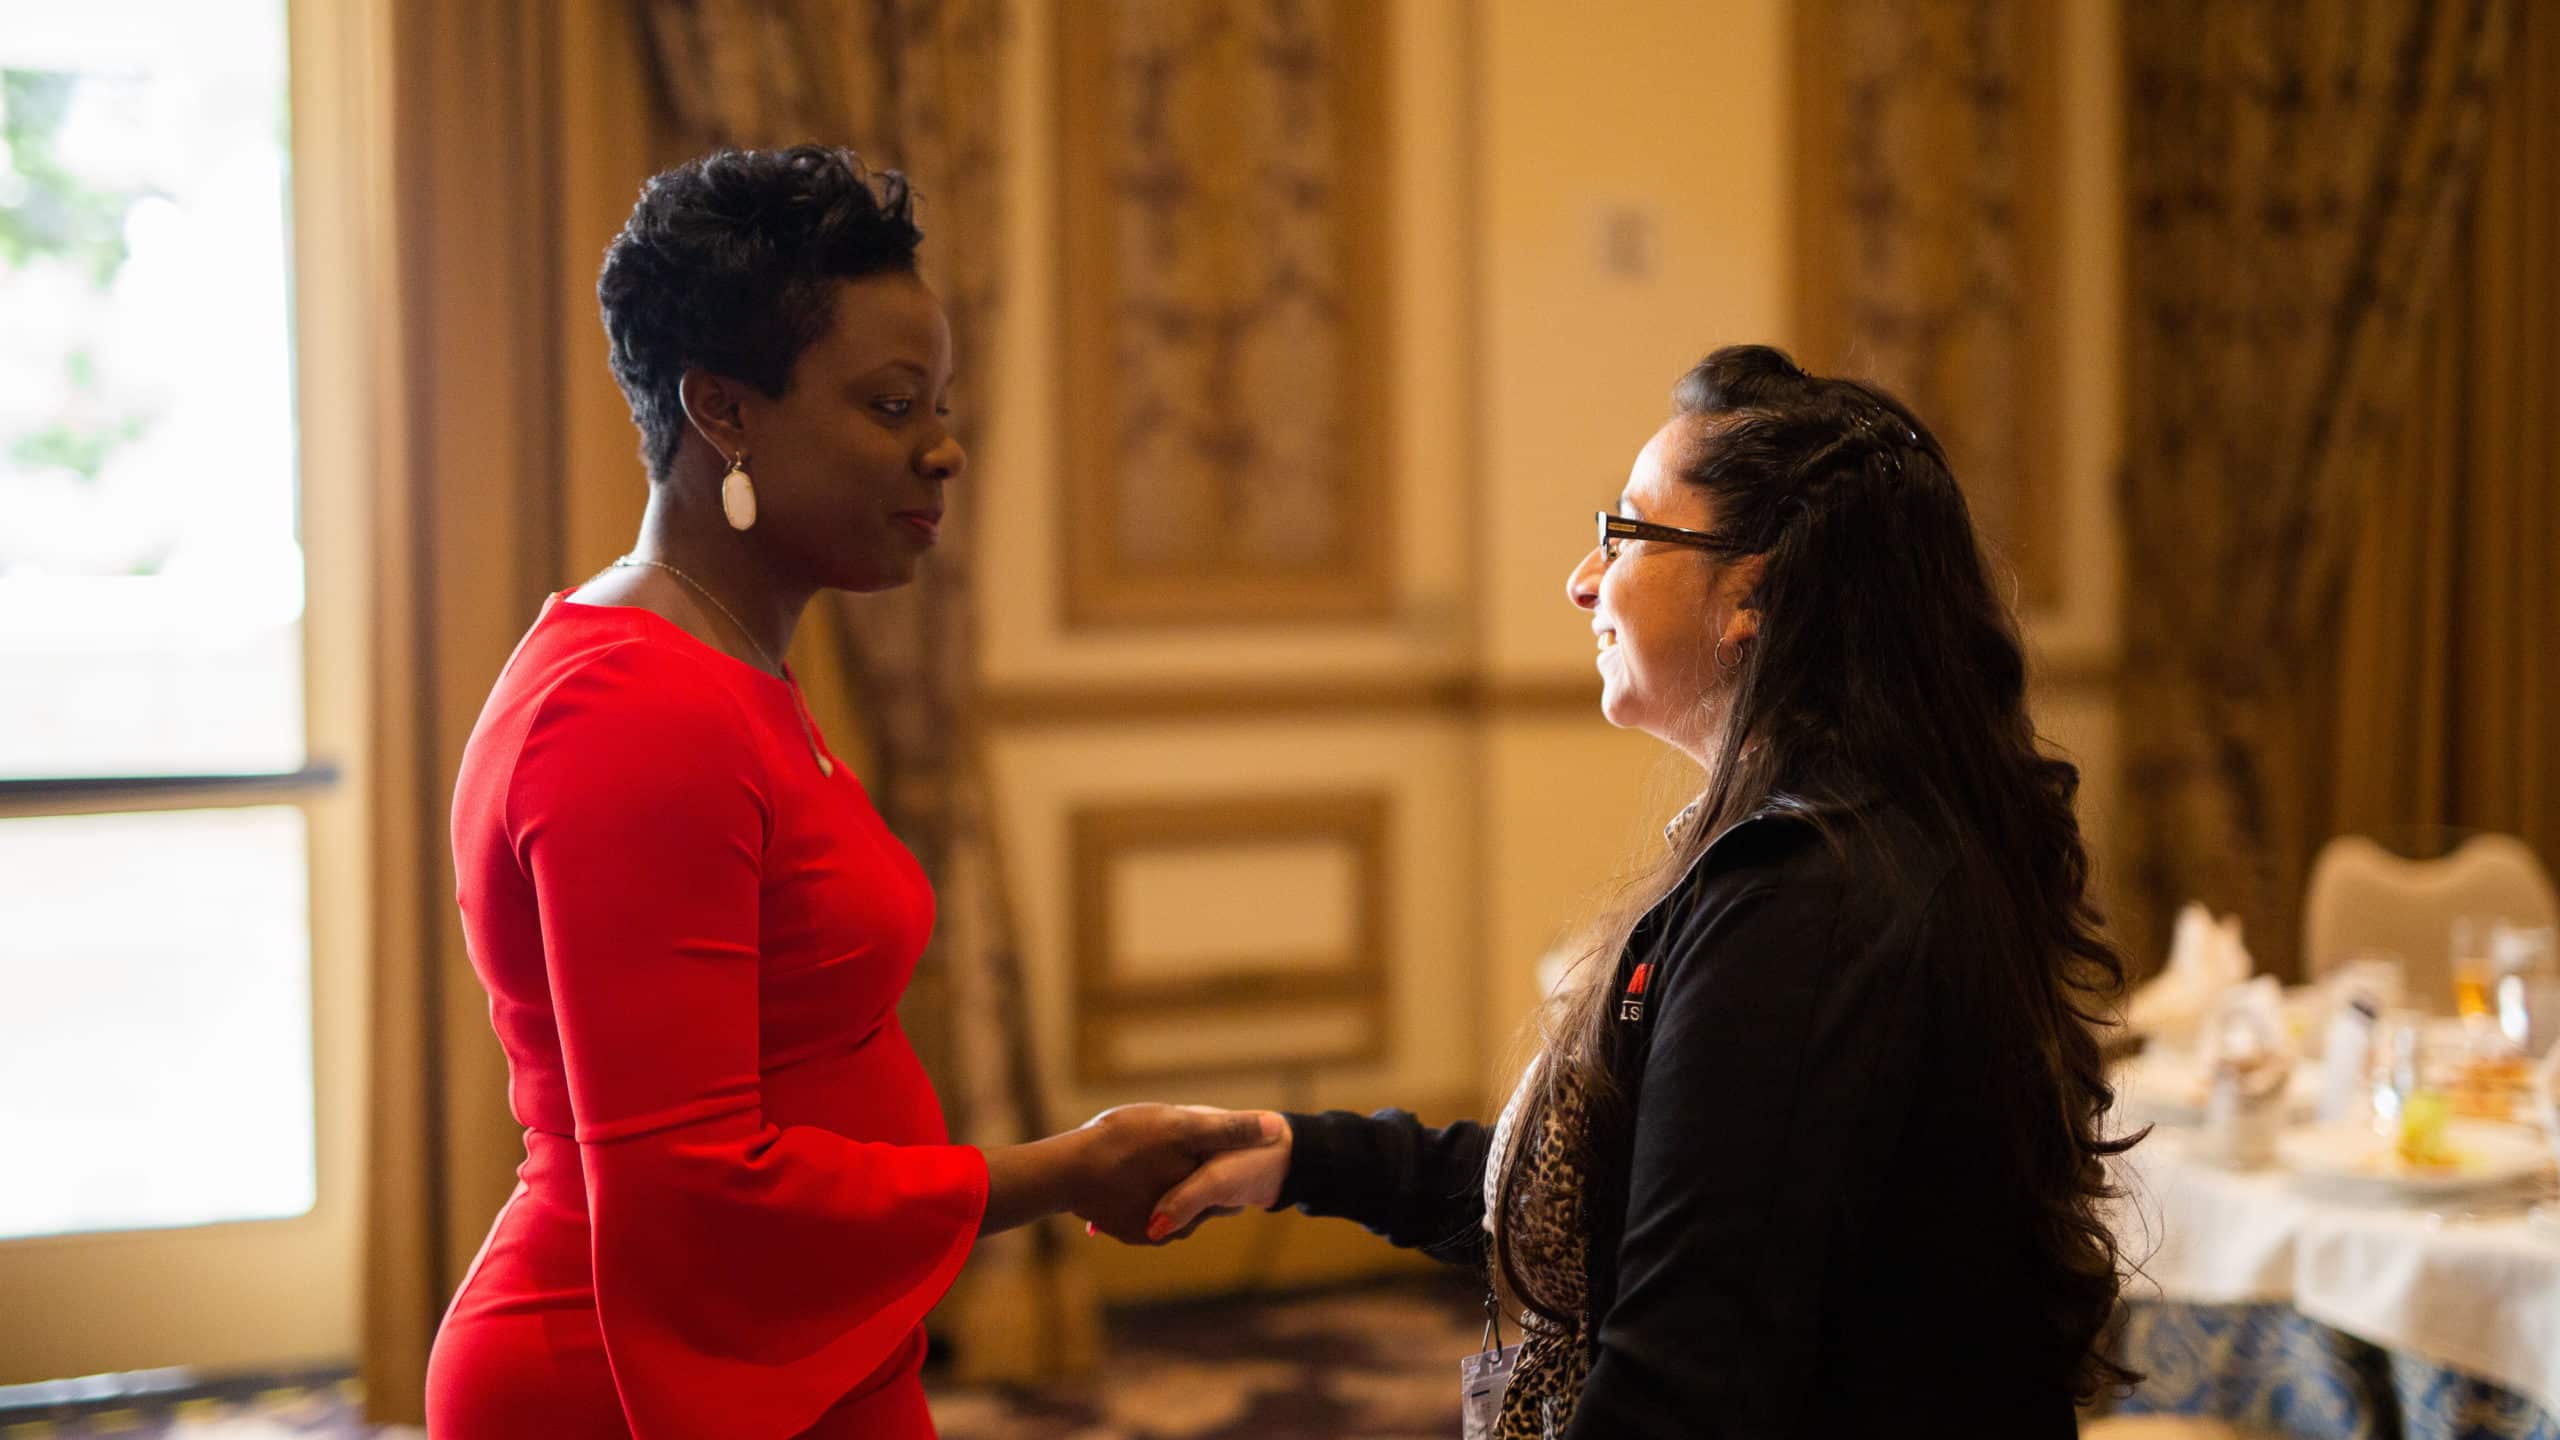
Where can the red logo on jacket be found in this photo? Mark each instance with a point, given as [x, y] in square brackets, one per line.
[1632, 1006]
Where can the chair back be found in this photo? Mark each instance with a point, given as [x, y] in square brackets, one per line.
[2363, 897]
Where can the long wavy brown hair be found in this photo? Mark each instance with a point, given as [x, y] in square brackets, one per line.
[1886, 662]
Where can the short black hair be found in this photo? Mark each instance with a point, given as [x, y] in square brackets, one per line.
[730, 263]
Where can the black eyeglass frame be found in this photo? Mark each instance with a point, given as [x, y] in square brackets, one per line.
[1614, 528]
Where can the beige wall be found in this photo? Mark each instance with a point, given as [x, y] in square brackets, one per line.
[1670, 118]
[1675, 116]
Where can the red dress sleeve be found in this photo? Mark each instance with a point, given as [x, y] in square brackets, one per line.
[747, 1275]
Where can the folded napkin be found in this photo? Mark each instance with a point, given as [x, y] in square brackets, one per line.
[2206, 959]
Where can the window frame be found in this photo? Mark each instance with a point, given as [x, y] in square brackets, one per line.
[273, 1294]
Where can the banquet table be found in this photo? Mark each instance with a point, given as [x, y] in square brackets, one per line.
[2276, 1308]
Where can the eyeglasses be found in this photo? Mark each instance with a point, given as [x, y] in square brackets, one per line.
[1614, 528]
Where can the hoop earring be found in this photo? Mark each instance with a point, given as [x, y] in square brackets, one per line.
[1728, 666]
[738, 496]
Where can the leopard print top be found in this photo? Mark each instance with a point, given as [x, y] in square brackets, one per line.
[1543, 1230]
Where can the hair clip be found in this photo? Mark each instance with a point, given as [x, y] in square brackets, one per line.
[1871, 425]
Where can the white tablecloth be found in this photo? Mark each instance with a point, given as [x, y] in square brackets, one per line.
[2478, 1296]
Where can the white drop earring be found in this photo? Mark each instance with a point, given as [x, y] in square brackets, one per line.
[738, 496]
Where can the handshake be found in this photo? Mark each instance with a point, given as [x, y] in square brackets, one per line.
[1144, 1174]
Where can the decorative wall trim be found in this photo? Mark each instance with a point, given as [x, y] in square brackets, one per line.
[1350, 984]
[1262, 697]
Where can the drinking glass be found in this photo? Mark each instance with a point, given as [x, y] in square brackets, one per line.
[2470, 967]
[2527, 981]
[2398, 1068]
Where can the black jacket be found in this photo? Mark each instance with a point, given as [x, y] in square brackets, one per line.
[1802, 1229]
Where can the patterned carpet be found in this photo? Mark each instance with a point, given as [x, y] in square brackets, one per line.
[1376, 1363]
[1379, 1363]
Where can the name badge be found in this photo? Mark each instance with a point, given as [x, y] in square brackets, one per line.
[1482, 1379]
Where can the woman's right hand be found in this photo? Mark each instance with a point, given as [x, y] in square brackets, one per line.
[1224, 1184]
[1137, 1151]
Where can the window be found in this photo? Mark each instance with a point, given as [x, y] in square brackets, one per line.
[155, 1013]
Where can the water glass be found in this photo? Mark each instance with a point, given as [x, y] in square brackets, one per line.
[2398, 1068]
[2527, 985]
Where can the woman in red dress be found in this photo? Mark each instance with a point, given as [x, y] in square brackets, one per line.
[738, 1199]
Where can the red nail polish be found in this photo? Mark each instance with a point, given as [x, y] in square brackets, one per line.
[1159, 1227]
[1089, 1231]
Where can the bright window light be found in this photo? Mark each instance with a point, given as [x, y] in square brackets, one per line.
[155, 1020]
[150, 563]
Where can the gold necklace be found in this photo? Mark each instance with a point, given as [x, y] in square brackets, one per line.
[799, 706]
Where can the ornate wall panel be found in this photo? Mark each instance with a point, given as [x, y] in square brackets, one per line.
[1223, 365]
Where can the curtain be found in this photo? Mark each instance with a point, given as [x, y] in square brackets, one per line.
[915, 85]
[2446, 695]
[515, 138]
[2298, 175]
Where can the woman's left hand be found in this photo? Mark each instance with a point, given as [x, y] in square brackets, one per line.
[1223, 1185]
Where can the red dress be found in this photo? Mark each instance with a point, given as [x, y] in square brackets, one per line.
[738, 1199]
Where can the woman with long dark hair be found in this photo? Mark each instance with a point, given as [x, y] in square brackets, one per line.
[1813, 1145]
